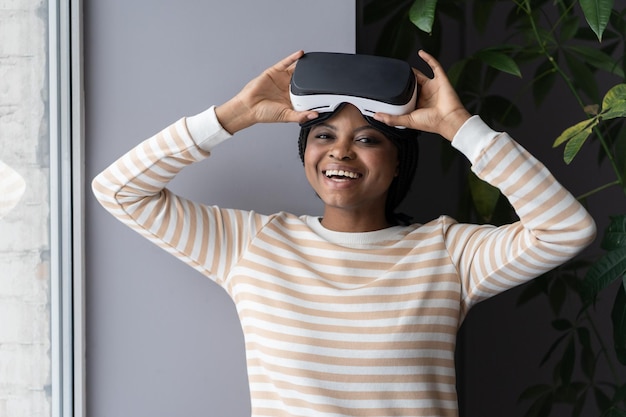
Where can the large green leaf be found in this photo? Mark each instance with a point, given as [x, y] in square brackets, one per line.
[568, 393]
[587, 356]
[618, 21]
[567, 362]
[620, 393]
[397, 38]
[541, 407]
[484, 196]
[432, 42]
[579, 406]
[615, 234]
[545, 77]
[557, 295]
[583, 128]
[535, 391]
[598, 59]
[618, 315]
[499, 109]
[377, 10]
[614, 412]
[569, 28]
[582, 76]
[620, 150]
[499, 61]
[606, 270]
[597, 13]
[455, 71]
[422, 14]
[562, 324]
[614, 102]
[602, 400]
[482, 13]
[553, 348]
[573, 147]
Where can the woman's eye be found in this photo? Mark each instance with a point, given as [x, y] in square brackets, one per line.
[367, 140]
[323, 136]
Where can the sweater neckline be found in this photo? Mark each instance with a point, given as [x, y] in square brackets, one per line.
[352, 239]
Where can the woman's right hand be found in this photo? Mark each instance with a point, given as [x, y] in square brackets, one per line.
[439, 109]
[265, 99]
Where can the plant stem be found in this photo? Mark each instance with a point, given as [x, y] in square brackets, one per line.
[596, 190]
[607, 151]
[603, 348]
[528, 10]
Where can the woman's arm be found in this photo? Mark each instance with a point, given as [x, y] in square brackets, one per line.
[133, 188]
[553, 226]
[552, 229]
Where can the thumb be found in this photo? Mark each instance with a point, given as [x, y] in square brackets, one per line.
[393, 120]
[298, 116]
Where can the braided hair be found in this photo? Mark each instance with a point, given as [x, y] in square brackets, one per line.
[405, 141]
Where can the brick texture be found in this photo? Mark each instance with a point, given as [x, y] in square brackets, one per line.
[24, 236]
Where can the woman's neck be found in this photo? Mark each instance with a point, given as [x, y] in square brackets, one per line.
[340, 220]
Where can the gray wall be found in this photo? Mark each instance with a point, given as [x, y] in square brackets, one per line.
[162, 340]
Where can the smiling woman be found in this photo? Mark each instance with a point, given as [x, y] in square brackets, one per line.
[404, 142]
[351, 313]
[351, 166]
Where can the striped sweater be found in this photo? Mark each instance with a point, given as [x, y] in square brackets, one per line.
[349, 324]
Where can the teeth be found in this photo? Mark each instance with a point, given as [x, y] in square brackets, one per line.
[340, 173]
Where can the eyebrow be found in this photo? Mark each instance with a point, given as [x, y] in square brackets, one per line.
[357, 130]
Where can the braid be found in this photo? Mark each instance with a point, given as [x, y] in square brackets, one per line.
[408, 153]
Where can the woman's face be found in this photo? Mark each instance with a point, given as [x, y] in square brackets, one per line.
[349, 164]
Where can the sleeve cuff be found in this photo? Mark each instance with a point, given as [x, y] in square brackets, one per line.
[473, 137]
[205, 130]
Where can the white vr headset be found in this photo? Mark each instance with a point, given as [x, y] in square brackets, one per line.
[322, 81]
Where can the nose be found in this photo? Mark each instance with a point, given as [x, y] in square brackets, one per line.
[342, 150]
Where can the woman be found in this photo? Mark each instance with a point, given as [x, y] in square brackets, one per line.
[351, 313]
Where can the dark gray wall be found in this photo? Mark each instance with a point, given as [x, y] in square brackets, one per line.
[161, 339]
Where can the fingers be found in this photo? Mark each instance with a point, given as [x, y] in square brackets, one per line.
[438, 70]
[420, 77]
[298, 116]
[288, 61]
[392, 120]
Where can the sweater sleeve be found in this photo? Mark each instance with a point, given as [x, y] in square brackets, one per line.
[552, 229]
[133, 190]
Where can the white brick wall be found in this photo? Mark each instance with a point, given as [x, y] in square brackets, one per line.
[24, 246]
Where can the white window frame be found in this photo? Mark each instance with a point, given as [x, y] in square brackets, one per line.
[66, 208]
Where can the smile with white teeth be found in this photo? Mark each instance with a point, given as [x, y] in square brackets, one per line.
[341, 173]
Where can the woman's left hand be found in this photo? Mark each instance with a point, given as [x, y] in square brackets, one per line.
[439, 109]
[265, 99]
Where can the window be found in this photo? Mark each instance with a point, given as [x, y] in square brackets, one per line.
[40, 209]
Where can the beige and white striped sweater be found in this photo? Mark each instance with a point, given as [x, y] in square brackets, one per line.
[349, 324]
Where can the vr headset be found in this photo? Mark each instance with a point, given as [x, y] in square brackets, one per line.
[322, 81]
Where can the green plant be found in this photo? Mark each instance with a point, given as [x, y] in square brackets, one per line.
[570, 44]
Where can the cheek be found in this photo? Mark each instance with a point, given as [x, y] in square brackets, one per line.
[389, 164]
[310, 163]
